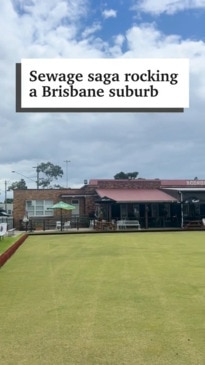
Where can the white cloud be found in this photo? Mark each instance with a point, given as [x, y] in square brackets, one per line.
[91, 29]
[167, 6]
[148, 42]
[116, 50]
[98, 145]
[109, 13]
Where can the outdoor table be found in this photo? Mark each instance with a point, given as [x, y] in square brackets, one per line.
[104, 225]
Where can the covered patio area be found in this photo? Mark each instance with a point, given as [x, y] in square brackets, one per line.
[153, 208]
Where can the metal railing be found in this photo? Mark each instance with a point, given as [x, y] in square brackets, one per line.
[8, 220]
[50, 223]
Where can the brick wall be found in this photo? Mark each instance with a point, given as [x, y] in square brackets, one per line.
[20, 197]
[86, 199]
[128, 184]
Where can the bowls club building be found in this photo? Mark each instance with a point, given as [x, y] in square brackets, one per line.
[156, 203]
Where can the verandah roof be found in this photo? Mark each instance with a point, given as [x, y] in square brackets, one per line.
[136, 195]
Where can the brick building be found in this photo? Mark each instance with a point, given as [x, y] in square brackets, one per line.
[154, 202]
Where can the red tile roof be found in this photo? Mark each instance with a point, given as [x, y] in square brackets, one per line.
[135, 195]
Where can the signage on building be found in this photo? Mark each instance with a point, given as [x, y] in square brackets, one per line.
[195, 182]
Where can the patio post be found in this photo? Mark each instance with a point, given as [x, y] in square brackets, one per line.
[182, 209]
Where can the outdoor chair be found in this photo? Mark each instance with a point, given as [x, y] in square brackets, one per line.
[67, 225]
[58, 225]
[93, 223]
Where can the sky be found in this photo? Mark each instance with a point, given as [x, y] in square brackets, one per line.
[99, 145]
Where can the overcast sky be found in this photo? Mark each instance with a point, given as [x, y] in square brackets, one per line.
[100, 145]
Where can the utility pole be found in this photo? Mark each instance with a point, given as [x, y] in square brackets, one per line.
[6, 196]
[37, 176]
[67, 161]
[37, 181]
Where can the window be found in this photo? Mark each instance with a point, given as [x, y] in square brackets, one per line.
[155, 210]
[75, 212]
[123, 211]
[136, 210]
[39, 208]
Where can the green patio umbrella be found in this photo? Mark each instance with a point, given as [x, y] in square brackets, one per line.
[62, 205]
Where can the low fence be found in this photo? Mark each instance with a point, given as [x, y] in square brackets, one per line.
[50, 223]
[8, 220]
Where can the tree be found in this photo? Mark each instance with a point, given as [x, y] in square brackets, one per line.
[51, 172]
[126, 175]
[58, 186]
[21, 184]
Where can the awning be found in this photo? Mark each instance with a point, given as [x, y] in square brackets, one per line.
[136, 195]
[3, 213]
[186, 189]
